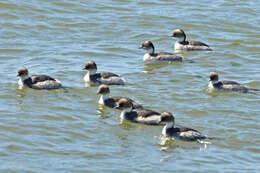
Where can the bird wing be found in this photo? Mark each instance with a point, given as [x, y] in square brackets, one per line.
[197, 43]
[40, 78]
[146, 113]
[225, 82]
[165, 56]
[117, 98]
[106, 75]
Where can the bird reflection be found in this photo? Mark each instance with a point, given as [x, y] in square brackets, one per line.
[167, 143]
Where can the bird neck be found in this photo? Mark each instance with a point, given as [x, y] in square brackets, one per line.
[88, 74]
[151, 51]
[213, 81]
[124, 112]
[24, 77]
[91, 72]
[102, 99]
[169, 125]
[182, 39]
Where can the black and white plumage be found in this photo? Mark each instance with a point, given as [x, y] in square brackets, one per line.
[179, 132]
[215, 84]
[151, 56]
[36, 81]
[144, 116]
[108, 78]
[112, 101]
[183, 44]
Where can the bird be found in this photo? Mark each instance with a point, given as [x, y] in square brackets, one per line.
[36, 81]
[179, 132]
[215, 84]
[151, 56]
[183, 44]
[112, 101]
[95, 78]
[143, 116]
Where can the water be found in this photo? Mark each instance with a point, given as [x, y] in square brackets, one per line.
[55, 131]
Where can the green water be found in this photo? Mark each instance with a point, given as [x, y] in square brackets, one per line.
[57, 131]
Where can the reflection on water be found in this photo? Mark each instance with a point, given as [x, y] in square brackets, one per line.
[102, 112]
[149, 68]
[171, 143]
[87, 84]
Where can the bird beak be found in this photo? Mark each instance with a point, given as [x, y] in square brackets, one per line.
[141, 47]
[84, 68]
[18, 74]
[98, 92]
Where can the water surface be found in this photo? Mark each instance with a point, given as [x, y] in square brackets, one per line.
[57, 131]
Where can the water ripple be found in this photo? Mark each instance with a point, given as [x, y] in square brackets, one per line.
[57, 131]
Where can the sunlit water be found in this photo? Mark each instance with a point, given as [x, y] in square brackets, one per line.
[58, 131]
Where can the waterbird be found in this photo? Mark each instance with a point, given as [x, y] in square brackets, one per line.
[36, 81]
[183, 44]
[215, 84]
[151, 56]
[144, 116]
[179, 132]
[95, 78]
[112, 101]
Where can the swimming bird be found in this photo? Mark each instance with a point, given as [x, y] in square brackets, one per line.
[95, 78]
[36, 81]
[183, 44]
[112, 101]
[182, 133]
[144, 116]
[215, 84]
[151, 56]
